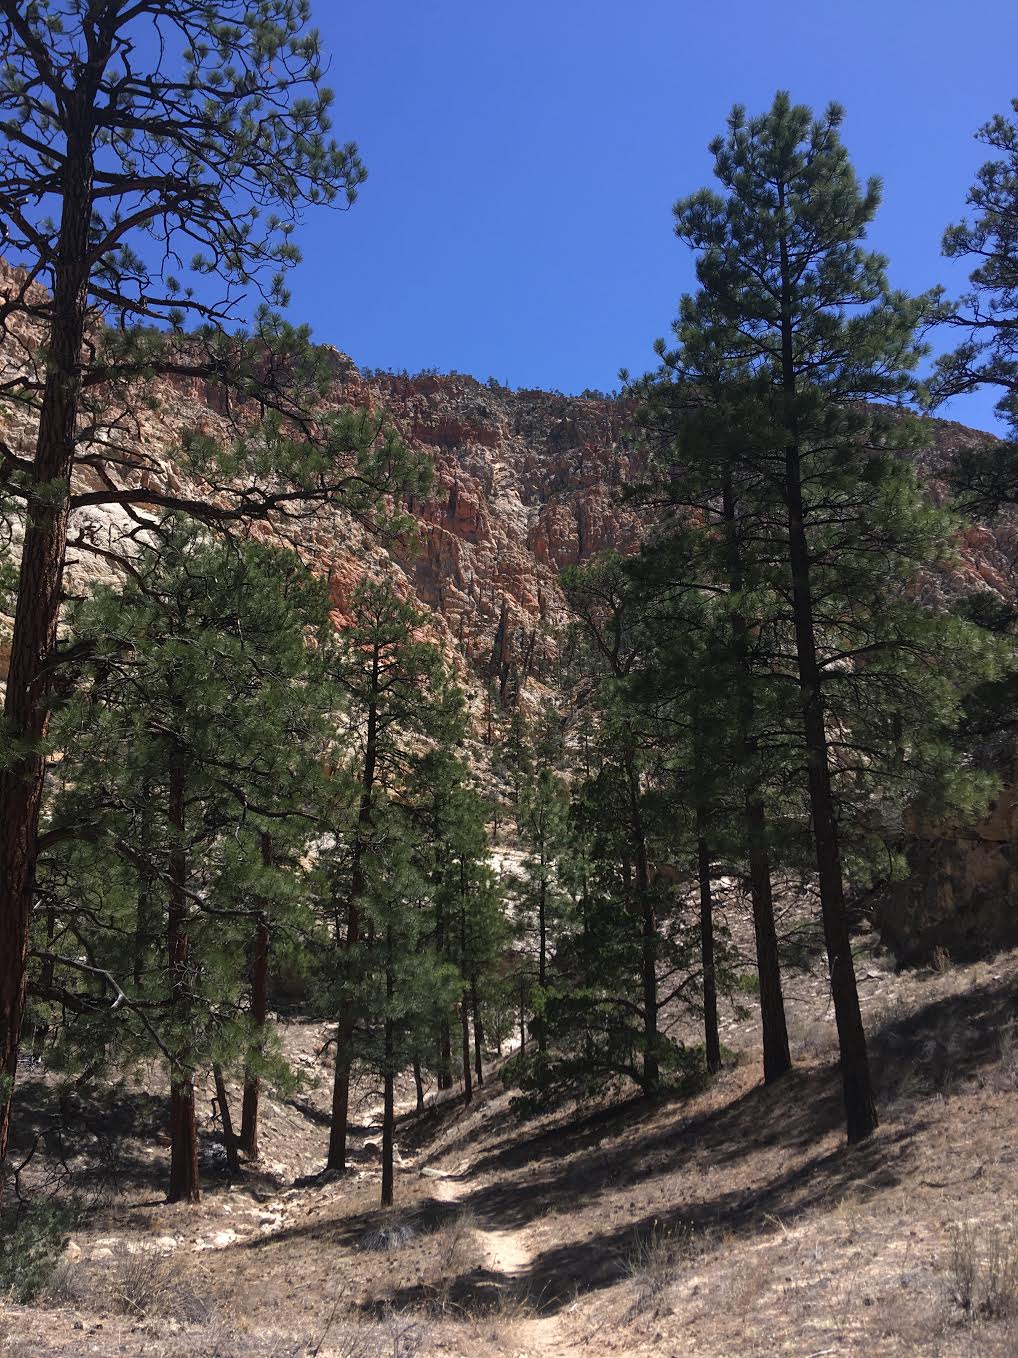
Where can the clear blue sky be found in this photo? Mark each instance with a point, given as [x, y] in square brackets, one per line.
[523, 157]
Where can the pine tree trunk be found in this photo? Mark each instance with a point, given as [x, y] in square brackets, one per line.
[774, 1029]
[648, 929]
[388, 1127]
[523, 1016]
[388, 1105]
[26, 710]
[340, 1100]
[345, 1026]
[712, 1042]
[475, 1004]
[542, 955]
[445, 1080]
[183, 1127]
[183, 1143]
[776, 1056]
[468, 1090]
[860, 1108]
[419, 1085]
[444, 1046]
[229, 1139]
[259, 1016]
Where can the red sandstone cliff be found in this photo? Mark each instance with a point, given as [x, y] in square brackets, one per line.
[526, 482]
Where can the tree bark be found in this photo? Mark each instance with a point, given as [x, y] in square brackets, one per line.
[183, 1128]
[648, 929]
[419, 1085]
[259, 1015]
[345, 1024]
[712, 1041]
[40, 581]
[444, 1063]
[475, 1004]
[860, 1108]
[468, 1092]
[445, 1080]
[229, 1139]
[388, 1104]
[542, 952]
[468, 1089]
[774, 1029]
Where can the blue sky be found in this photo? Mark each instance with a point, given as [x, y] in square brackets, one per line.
[523, 157]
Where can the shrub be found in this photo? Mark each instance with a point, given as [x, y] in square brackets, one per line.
[148, 1284]
[654, 1261]
[31, 1241]
[984, 1268]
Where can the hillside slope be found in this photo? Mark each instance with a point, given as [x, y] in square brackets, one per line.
[734, 1223]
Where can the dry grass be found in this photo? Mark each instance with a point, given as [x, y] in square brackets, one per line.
[400, 1334]
[140, 1284]
[733, 1222]
[394, 1232]
[12, 1345]
[983, 1268]
[657, 1260]
[456, 1251]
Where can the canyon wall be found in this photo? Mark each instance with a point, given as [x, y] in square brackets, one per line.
[526, 482]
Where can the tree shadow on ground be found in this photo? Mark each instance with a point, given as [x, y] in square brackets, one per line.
[952, 1039]
[375, 1228]
[561, 1272]
[103, 1142]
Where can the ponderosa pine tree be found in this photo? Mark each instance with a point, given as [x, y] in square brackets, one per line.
[398, 700]
[819, 354]
[987, 477]
[199, 718]
[646, 625]
[471, 905]
[990, 312]
[468, 926]
[124, 155]
[400, 980]
[543, 810]
[708, 573]
[604, 602]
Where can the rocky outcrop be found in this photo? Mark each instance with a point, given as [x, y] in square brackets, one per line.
[525, 482]
[961, 893]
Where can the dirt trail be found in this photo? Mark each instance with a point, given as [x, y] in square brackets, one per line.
[508, 1254]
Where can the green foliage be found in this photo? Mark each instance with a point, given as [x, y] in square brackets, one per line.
[31, 1241]
[198, 675]
[989, 313]
[783, 242]
[231, 104]
[406, 895]
[577, 1072]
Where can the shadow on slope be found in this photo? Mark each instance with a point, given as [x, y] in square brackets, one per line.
[780, 1146]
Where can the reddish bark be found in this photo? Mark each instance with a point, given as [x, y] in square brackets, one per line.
[26, 710]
